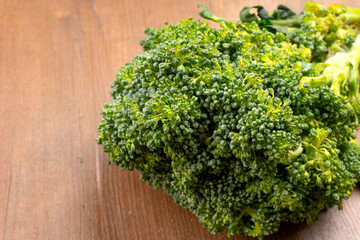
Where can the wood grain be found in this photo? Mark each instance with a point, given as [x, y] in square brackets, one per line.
[58, 59]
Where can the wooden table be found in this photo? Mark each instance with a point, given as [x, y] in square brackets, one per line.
[58, 59]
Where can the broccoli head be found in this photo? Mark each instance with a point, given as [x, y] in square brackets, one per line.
[236, 124]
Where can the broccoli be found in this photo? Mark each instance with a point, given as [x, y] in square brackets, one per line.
[240, 125]
[350, 157]
[324, 30]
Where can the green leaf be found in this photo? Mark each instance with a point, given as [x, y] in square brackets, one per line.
[265, 22]
[282, 12]
[246, 16]
[262, 12]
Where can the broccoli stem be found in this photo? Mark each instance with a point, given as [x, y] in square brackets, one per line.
[207, 14]
[290, 21]
[352, 16]
[288, 31]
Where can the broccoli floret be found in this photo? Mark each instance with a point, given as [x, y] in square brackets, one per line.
[237, 124]
[324, 30]
[341, 74]
[350, 157]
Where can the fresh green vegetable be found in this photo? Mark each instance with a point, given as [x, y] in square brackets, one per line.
[242, 125]
[324, 30]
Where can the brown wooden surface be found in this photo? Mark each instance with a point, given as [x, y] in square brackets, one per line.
[57, 60]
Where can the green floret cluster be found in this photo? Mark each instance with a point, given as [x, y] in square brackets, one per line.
[324, 30]
[349, 156]
[239, 124]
